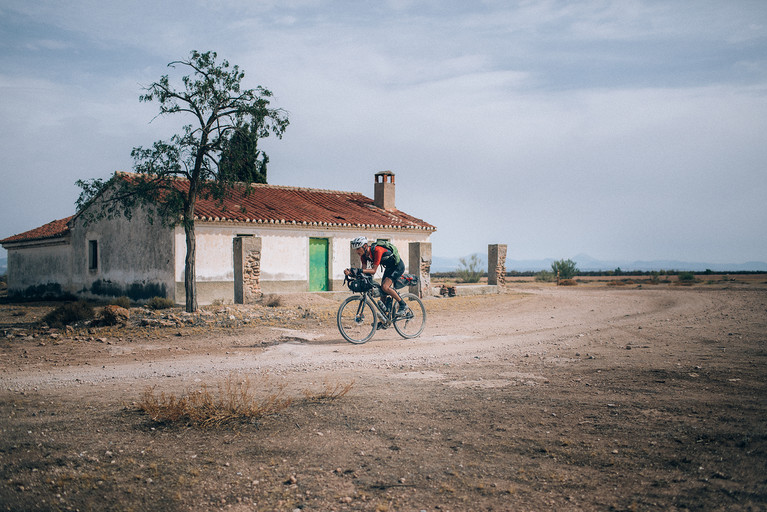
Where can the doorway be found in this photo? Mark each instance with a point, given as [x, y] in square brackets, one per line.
[318, 264]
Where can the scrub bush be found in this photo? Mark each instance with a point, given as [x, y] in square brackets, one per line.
[160, 303]
[69, 313]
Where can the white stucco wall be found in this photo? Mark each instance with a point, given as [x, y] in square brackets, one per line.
[284, 255]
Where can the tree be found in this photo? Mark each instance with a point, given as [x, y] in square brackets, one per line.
[216, 150]
[565, 269]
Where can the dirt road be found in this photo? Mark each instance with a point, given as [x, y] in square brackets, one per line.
[582, 398]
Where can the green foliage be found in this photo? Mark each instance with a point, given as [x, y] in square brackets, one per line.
[686, 277]
[69, 313]
[565, 268]
[216, 150]
[160, 303]
[471, 269]
[545, 276]
[241, 160]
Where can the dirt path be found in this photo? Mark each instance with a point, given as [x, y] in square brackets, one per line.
[584, 398]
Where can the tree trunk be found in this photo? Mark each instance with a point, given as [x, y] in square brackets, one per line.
[190, 281]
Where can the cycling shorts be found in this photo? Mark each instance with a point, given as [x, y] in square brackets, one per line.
[394, 272]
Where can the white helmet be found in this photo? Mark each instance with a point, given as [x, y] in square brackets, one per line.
[359, 242]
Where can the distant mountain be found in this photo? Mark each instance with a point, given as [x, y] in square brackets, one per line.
[589, 264]
[3, 265]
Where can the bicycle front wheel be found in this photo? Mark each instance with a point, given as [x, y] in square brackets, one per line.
[413, 323]
[356, 319]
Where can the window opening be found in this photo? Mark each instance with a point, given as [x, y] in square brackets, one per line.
[93, 255]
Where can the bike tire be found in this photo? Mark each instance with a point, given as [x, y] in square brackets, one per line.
[356, 323]
[412, 325]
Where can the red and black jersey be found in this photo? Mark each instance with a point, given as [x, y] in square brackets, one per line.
[380, 256]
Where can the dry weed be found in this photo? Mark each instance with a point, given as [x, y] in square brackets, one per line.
[328, 392]
[235, 400]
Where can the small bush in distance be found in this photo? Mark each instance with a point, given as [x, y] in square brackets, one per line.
[566, 269]
[471, 269]
[69, 313]
[567, 282]
[160, 303]
[545, 276]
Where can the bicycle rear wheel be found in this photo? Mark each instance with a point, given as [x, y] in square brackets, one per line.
[413, 323]
[356, 319]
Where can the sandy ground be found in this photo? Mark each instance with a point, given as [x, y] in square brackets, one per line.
[567, 398]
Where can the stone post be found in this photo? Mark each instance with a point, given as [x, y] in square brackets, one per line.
[354, 259]
[496, 264]
[247, 269]
[419, 264]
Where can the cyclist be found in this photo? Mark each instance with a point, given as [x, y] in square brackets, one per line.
[393, 269]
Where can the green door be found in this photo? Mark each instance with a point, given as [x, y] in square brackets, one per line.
[318, 264]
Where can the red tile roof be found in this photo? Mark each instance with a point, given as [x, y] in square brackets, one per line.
[274, 204]
[270, 204]
[55, 229]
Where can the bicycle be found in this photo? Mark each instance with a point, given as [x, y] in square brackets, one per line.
[360, 316]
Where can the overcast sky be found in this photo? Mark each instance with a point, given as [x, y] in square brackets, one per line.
[621, 129]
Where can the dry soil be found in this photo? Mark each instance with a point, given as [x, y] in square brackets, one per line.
[542, 398]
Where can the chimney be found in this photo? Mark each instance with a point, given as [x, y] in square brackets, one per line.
[384, 190]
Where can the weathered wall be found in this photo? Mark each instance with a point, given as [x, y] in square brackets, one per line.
[40, 269]
[135, 259]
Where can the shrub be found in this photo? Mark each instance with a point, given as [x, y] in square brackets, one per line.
[471, 269]
[123, 302]
[160, 303]
[567, 282]
[566, 269]
[69, 313]
[686, 276]
[545, 276]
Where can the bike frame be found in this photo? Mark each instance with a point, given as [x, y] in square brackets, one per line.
[385, 317]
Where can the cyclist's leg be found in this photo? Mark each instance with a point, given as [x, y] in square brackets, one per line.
[387, 285]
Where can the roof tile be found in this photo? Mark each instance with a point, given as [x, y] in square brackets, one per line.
[55, 229]
[274, 204]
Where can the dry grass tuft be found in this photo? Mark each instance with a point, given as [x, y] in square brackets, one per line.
[235, 400]
[328, 392]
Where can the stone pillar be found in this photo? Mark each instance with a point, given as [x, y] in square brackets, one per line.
[496, 264]
[354, 259]
[419, 264]
[247, 269]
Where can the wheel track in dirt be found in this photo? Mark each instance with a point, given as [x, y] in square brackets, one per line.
[502, 328]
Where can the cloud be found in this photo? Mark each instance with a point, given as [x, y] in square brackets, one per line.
[620, 129]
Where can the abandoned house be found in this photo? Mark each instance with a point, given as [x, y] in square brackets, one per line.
[273, 239]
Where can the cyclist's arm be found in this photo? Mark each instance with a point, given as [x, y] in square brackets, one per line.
[377, 254]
